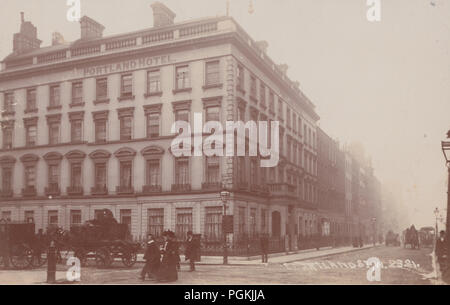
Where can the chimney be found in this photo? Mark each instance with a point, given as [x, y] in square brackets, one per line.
[57, 39]
[262, 45]
[90, 29]
[283, 68]
[162, 15]
[26, 39]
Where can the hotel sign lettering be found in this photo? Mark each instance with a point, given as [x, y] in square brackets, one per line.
[128, 65]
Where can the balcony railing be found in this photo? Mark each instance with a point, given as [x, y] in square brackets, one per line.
[282, 189]
[6, 193]
[52, 190]
[147, 189]
[74, 190]
[29, 191]
[99, 190]
[181, 187]
[124, 190]
[211, 186]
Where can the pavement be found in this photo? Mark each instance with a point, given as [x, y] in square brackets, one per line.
[274, 258]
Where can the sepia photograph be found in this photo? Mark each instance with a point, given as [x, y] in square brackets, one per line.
[202, 143]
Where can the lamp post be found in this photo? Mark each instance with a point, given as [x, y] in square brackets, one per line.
[374, 233]
[436, 214]
[446, 150]
[224, 195]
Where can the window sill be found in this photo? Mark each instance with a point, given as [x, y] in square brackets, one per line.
[35, 110]
[8, 113]
[54, 107]
[126, 98]
[150, 94]
[121, 190]
[148, 189]
[74, 191]
[213, 86]
[76, 105]
[101, 101]
[175, 91]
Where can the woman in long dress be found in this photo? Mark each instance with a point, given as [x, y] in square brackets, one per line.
[168, 271]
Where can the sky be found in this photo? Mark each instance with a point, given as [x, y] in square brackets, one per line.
[385, 84]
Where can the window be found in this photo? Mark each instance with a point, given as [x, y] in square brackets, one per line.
[30, 176]
[252, 222]
[288, 117]
[6, 179]
[280, 175]
[102, 88]
[182, 77]
[126, 127]
[53, 218]
[6, 215]
[126, 88]
[240, 77]
[262, 94]
[182, 171]
[54, 96]
[263, 221]
[53, 130]
[241, 170]
[29, 216]
[155, 222]
[100, 131]
[153, 172]
[213, 223]
[77, 93]
[7, 137]
[241, 114]
[125, 218]
[212, 170]
[280, 108]
[75, 218]
[100, 175]
[153, 125]
[31, 99]
[75, 175]
[153, 81]
[241, 223]
[253, 86]
[212, 73]
[183, 222]
[126, 174]
[9, 103]
[53, 175]
[294, 122]
[272, 102]
[182, 115]
[76, 129]
[212, 114]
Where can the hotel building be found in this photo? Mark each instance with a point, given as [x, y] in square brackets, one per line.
[87, 126]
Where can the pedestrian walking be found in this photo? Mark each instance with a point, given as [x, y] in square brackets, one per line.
[168, 270]
[264, 247]
[441, 251]
[152, 259]
[191, 252]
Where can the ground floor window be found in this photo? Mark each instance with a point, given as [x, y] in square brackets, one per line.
[155, 222]
[75, 217]
[53, 218]
[213, 223]
[125, 217]
[29, 216]
[183, 222]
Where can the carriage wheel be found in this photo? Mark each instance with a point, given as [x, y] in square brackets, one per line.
[22, 257]
[103, 258]
[39, 258]
[129, 258]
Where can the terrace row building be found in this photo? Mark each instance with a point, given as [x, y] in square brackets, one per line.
[87, 125]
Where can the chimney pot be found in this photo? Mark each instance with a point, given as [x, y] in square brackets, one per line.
[162, 15]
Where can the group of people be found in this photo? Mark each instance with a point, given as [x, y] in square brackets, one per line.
[162, 263]
[441, 251]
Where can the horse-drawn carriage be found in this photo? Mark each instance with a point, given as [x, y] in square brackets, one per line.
[427, 236]
[411, 238]
[392, 239]
[19, 245]
[102, 239]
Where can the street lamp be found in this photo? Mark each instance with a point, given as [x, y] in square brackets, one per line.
[436, 214]
[446, 150]
[224, 195]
